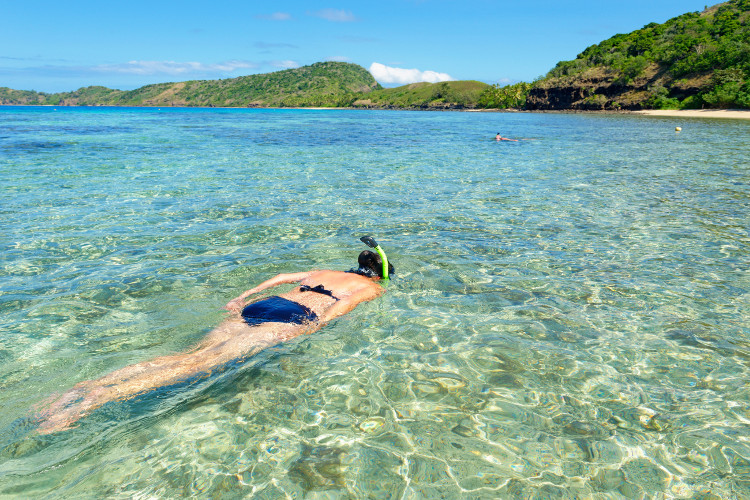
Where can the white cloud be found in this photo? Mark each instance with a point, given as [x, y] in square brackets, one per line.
[338, 59]
[129, 75]
[285, 64]
[386, 74]
[276, 16]
[335, 15]
[172, 67]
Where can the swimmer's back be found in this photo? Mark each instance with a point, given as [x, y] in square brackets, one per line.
[343, 287]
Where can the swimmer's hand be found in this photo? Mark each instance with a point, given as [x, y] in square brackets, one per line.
[235, 305]
[238, 303]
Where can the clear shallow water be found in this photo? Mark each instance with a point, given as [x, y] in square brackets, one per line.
[570, 317]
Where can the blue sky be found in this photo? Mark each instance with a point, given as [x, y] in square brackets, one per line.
[54, 46]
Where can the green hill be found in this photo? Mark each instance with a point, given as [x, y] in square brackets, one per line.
[329, 84]
[320, 84]
[444, 95]
[694, 60]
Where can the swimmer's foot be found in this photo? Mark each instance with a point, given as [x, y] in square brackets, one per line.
[61, 412]
[56, 424]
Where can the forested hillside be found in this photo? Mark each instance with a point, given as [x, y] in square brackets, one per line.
[692, 61]
[444, 95]
[320, 84]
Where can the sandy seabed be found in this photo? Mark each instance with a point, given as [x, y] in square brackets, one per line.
[698, 113]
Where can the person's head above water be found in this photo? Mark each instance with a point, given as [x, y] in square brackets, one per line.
[371, 265]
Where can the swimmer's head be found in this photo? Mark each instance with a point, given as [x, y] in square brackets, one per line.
[371, 265]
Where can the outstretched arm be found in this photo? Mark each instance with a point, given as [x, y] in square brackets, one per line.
[236, 304]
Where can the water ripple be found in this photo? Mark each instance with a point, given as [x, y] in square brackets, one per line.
[569, 317]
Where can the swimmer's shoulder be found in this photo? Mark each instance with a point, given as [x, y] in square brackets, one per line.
[341, 281]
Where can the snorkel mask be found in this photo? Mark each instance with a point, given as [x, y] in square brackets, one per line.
[370, 242]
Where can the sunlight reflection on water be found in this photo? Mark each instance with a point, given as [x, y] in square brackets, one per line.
[569, 317]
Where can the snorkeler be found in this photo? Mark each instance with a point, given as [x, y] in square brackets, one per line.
[321, 297]
[499, 137]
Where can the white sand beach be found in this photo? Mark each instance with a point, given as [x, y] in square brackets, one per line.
[698, 113]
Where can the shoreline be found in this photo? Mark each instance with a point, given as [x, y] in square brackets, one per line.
[737, 114]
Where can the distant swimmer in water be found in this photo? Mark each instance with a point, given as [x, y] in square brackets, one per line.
[499, 137]
[321, 297]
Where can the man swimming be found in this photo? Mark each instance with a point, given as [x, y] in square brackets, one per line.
[321, 297]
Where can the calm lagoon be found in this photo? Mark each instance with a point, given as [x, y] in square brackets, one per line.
[570, 316]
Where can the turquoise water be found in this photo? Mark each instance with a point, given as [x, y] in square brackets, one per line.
[569, 319]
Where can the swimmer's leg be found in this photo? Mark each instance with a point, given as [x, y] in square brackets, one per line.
[66, 409]
[120, 385]
[224, 345]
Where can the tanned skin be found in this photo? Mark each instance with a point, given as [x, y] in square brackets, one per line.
[233, 340]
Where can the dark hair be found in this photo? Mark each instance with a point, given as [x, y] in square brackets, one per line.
[372, 262]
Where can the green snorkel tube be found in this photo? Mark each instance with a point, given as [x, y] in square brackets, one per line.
[370, 242]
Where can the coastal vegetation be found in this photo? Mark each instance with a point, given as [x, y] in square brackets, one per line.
[443, 95]
[691, 61]
[504, 97]
[330, 84]
[325, 84]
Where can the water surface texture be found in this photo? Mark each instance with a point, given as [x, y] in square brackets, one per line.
[569, 317]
